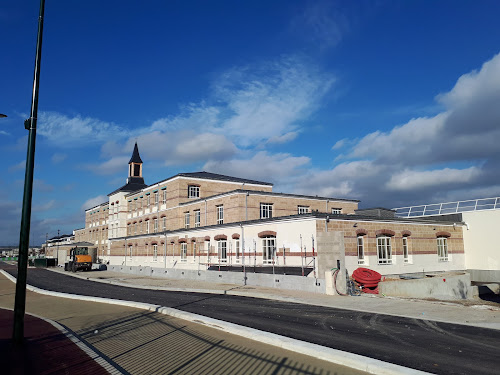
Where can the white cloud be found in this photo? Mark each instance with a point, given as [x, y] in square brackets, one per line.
[413, 161]
[411, 180]
[321, 23]
[287, 137]
[17, 167]
[339, 144]
[92, 202]
[262, 166]
[42, 186]
[3, 132]
[58, 157]
[45, 206]
[269, 100]
[114, 165]
[76, 131]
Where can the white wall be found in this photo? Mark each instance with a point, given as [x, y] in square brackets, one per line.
[419, 263]
[288, 234]
[482, 247]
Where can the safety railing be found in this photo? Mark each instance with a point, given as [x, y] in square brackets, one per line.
[448, 207]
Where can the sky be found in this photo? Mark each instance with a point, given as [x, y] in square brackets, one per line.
[394, 103]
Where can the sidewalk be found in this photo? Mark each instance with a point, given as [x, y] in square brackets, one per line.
[46, 350]
[486, 315]
[136, 341]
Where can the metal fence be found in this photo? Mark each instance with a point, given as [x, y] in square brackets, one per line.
[448, 207]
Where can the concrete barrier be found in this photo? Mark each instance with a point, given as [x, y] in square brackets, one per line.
[445, 286]
[306, 284]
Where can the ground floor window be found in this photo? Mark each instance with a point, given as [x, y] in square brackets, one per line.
[194, 250]
[361, 250]
[406, 253]
[268, 249]
[155, 252]
[130, 251]
[222, 250]
[237, 249]
[384, 251]
[442, 247]
[183, 252]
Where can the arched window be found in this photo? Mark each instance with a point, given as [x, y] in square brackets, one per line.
[384, 250]
[361, 249]
[442, 249]
[268, 249]
[222, 249]
[406, 246]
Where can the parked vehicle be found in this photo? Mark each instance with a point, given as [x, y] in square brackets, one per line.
[79, 259]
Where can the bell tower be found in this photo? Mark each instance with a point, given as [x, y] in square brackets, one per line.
[135, 167]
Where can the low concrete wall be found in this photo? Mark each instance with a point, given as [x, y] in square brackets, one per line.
[441, 286]
[485, 276]
[306, 284]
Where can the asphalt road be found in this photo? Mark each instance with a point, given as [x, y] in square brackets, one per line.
[439, 348]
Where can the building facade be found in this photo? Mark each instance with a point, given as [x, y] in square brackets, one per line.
[204, 221]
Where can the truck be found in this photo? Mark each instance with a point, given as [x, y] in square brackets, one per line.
[79, 259]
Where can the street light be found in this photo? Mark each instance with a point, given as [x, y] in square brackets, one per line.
[24, 237]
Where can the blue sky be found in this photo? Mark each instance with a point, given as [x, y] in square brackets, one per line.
[390, 102]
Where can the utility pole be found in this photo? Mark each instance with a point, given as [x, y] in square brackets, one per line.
[57, 248]
[29, 124]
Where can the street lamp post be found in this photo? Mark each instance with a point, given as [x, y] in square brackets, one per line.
[24, 237]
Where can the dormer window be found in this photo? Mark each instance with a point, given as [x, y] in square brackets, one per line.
[193, 191]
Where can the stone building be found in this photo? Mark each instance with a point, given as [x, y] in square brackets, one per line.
[207, 221]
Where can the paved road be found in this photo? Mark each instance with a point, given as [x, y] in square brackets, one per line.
[425, 345]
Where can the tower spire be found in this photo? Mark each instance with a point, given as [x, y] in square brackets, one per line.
[135, 167]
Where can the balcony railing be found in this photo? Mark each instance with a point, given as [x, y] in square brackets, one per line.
[449, 207]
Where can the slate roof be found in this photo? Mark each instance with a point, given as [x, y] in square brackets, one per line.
[220, 177]
[129, 187]
[270, 193]
[136, 158]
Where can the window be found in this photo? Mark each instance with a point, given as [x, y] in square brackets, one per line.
[220, 214]
[155, 225]
[222, 250]
[266, 210]
[193, 191]
[361, 250]
[194, 250]
[156, 197]
[336, 211]
[183, 252]
[140, 203]
[148, 199]
[303, 210]
[237, 250]
[128, 229]
[442, 244]
[164, 196]
[186, 220]
[164, 223]
[197, 218]
[147, 226]
[130, 251]
[135, 228]
[155, 252]
[268, 249]
[406, 255]
[384, 250]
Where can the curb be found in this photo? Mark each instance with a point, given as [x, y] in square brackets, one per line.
[339, 357]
